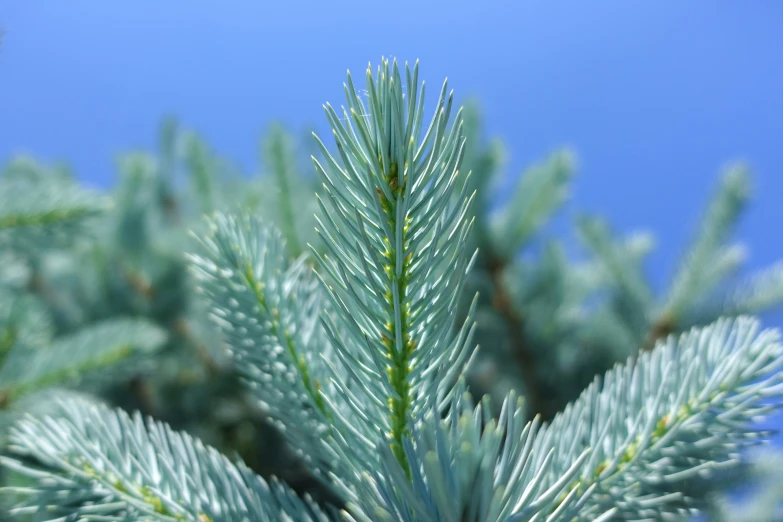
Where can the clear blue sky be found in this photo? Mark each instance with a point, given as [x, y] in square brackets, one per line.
[654, 96]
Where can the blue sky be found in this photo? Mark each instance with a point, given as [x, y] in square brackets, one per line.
[654, 96]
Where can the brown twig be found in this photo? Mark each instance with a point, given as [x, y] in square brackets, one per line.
[525, 359]
[38, 285]
[140, 284]
[139, 386]
[182, 327]
[171, 209]
[664, 326]
[141, 389]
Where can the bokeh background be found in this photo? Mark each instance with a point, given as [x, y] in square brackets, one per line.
[654, 97]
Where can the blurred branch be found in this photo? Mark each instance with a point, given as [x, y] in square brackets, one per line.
[525, 359]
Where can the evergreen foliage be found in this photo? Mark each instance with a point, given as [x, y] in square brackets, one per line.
[194, 348]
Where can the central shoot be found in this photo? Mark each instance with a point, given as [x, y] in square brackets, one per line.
[395, 224]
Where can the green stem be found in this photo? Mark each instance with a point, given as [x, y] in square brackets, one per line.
[397, 326]
[311, 386]
[7, 340]
[44, 218]
[662, 427]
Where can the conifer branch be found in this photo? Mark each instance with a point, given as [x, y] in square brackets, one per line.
[68, 358]
[679, 411]
[41, 214]
[396, 256]
[100, 464]
[540, 192]
[268, 313]
[526, 361]
[707, 259]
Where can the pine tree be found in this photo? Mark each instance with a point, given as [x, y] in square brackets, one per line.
[360, 351]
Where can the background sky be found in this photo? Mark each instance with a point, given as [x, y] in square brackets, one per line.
[655, 97]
